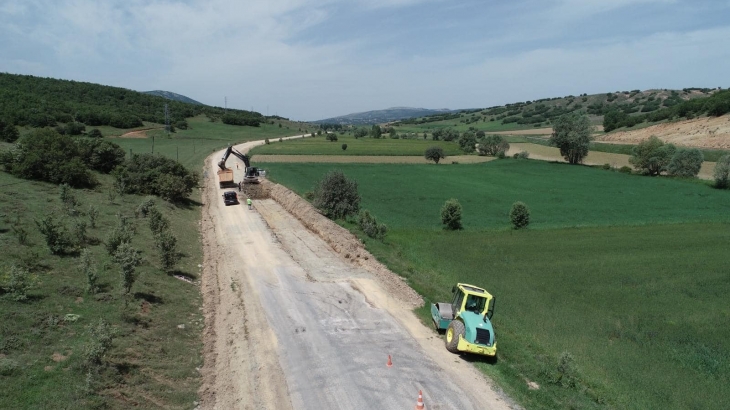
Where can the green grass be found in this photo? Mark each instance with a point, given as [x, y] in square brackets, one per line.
[355, 146]
[150, 358]
[193, 145]
[636, 294]
[559, 195]
[486, 126]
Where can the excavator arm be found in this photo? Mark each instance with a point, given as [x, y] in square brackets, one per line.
[229, 151]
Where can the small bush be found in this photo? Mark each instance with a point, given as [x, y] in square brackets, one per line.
[17, 282]
[79, 231]
[625, 169]
[566, 375]
[127, 257]
[100, 337]
[721, 173]
[336, 196]
[144, 208]
[607, 167]
[451, 214]
[88, 268]
[8, 366]
[521, 155]
[173, 188]
[67, 197]
[94, 133]
[167, 245]
[93, 213]
[501, 155]
[370, 226]
[267, 141]
[519, 215]
[55, 234]
[157, 222]
[344, 147]
[281, 139]
[121, 234]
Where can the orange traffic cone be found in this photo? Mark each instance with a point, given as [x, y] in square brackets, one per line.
[390, 362]
[419, 403]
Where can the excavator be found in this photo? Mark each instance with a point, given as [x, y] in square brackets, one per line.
[225, 175]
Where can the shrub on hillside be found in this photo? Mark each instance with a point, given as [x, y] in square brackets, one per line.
[155, 175]
[370, 225]
[331, 136]
[46, 155]
[94, 133]
[88, 268]
[522, 155]
[652, 156]
[127, 257]
[99, 154]
[8, 132]
[686, 162]
[721, 173]
[157, 222]
[491, 145]
[17, 282]
[121, 234]
[57, 238]
[166, 244]
[451, 214]
[625, 169]
[434, 154]
[336, 196]
[519, 215]
[100, 337]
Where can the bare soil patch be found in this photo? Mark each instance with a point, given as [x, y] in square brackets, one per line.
[710, 132]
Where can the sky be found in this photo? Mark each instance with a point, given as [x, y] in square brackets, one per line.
[315, 59]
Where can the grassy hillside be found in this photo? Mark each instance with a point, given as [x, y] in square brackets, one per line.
[540, 113]
[622, 277]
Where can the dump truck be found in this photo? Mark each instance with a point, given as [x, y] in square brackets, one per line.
[225, 178]
[467, 320]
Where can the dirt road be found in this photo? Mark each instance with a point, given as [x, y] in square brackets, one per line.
[292, 323]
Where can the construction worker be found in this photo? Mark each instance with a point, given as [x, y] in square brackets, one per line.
[248, 201]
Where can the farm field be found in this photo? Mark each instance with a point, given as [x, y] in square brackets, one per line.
[622, 276]
[355, 146]
[203, 137]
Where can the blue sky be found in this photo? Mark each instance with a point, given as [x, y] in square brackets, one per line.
[314, 59]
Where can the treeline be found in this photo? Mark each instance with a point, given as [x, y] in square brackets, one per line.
[716, 105]
[45, 102]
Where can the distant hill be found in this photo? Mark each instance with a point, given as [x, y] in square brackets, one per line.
[627, 108]
[173, 96]
[26, 100]
[381, 116]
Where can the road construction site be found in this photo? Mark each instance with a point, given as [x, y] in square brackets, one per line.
[299, 316]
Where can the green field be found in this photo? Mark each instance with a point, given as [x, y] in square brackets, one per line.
[355, 146]
[203, 137]
[629, 275]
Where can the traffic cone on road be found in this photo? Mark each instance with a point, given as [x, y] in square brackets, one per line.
[419, 403]
[390, 362]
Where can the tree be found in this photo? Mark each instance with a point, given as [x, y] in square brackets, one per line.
[54, 232]
[451, 214]
[722, 172]
[519, 215]
[652, 156]
[360, 133]
[572, 135]
[392, 133]
[467, 142]
[101, 335]
[614, 119]
[370, 226]
[434, 154]
[331, 136]
[376, 132]
[127, 257]
[87, 266]
[686, 163]
[8, 132]
[336, 195]
[167, 245]
[344, 147]
[17, 282]
[492, 145]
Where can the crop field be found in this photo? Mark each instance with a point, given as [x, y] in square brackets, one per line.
[355, 146]
[623, 277]
[203, 137]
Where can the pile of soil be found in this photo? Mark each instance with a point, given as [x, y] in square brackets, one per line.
[343, 242]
